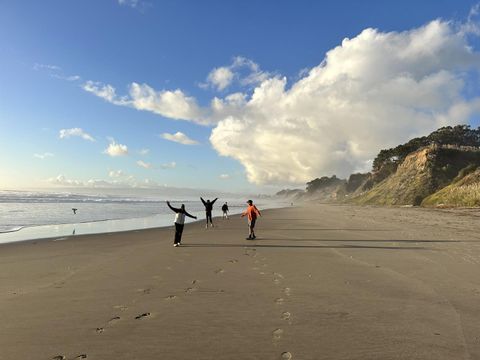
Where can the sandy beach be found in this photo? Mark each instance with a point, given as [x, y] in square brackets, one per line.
[320, 282]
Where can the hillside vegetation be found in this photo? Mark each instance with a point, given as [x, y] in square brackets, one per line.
[441, 169]
[462, 192]
[421, 174]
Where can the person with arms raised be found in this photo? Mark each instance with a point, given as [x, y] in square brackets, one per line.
[179, 222]
[208, 210]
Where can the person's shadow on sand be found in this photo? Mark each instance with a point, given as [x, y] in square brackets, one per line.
[254, 245]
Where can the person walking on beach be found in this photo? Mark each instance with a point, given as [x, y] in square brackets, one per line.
[179, 222]
[208, 210]
[252, 212]
[225, 211]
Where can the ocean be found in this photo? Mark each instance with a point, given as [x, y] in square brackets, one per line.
[26, 215]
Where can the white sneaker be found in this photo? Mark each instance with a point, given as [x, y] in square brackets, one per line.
[175, 245]
[206, 226]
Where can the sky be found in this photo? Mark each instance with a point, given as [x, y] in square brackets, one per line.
[219, 94]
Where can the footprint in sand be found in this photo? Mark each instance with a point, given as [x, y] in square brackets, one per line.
[100, 330]
[144, 291]
[219, 271]
[59, 285]
[278, 275]
[277, 334]
[194, 282]
[233, 261]
[286, 315]
[81, 356]
[287, 291]
[171, 297]
[286, 355]
[59, 357]
[276, 281]
[279, 301]
[141, 316]
[190, 290]
[113, 319]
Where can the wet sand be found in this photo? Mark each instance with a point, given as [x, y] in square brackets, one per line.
[320, 282]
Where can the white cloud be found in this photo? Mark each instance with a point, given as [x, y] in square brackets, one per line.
[471, 26]
[125, 182]
[170, 165]
[144, 164]
[115, 149]
[55, 71]
[174, 104]
[43, 156]
[373, 91]
[104, 91]
[61, 180]
[220, 78]
[67, 133]
[245, 71]
[179, 137]
[116, 173]
[72, 78]
[224, 176]
[49, 67]
[131, 3]
[144, 152]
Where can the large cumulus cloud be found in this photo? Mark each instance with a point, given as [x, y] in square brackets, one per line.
[373, 91]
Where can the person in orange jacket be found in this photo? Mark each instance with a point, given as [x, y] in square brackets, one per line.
[252, 212]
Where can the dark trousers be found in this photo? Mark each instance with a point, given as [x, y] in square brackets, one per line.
[209, 216]
[178, 233]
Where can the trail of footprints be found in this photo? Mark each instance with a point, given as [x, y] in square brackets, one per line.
[63, 357]
[145, 315]
[278, 280]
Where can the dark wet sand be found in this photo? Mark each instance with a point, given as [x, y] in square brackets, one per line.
[320, 282]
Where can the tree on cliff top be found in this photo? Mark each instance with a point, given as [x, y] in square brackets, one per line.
[460, 135]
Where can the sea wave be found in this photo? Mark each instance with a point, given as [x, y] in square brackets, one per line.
[44, 197]
[7, 229]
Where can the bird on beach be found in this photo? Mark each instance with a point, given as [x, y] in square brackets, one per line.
[74, 211]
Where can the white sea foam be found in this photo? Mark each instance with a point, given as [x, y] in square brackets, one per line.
[7, 229]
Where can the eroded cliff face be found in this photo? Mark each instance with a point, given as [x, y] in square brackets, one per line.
[430, 176]
[421, 174]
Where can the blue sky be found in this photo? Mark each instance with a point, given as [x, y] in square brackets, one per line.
[58, 59]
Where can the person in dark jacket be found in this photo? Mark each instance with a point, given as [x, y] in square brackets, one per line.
[225, 211]
[208, 210]
[179, 222]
